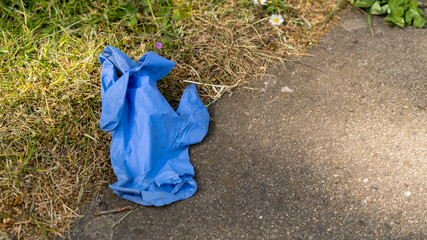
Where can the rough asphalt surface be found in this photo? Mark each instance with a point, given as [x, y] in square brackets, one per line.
[341, 156]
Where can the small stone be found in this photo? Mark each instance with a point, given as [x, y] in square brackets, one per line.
[260, 217]
[365, 180]
[407, 193]
[286, 89]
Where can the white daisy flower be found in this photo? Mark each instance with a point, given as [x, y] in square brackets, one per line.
[262, 2]
[276, 19]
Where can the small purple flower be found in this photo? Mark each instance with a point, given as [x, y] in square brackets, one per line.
[159, 45]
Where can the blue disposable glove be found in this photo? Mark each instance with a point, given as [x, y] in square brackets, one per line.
[149, 146]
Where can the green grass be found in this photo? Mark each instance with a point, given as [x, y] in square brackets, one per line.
[52, 153]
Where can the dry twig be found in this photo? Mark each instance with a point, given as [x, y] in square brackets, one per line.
[117, 210]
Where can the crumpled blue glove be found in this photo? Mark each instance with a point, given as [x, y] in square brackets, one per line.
[149, 146]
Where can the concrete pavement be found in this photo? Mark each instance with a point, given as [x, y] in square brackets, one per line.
[332, 145]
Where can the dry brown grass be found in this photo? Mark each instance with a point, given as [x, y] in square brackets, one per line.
[53, 155]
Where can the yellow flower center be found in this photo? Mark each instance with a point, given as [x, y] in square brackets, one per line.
[276, 20]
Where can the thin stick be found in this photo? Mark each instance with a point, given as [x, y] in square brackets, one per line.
[19, 231]
[305, 20]
[117, 210]
[122, 218]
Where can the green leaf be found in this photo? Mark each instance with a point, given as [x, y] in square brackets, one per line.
[178, 15]
[397, 10]
[246, 3]
[130, 9]
[132, 21]
[164, 12]
[271, 9]
[377, 9]
[165, 22]
[414, 15]
[364, 3]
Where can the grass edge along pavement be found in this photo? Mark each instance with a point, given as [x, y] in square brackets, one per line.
[52, 153]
